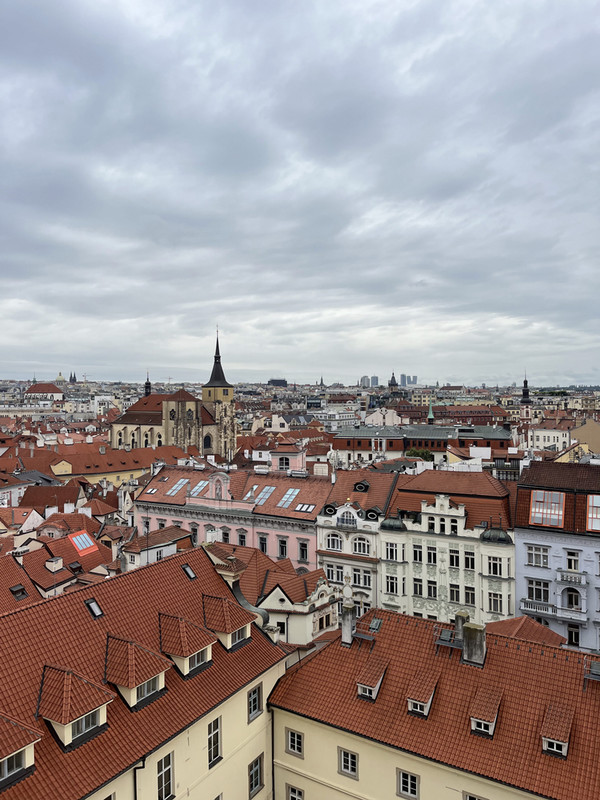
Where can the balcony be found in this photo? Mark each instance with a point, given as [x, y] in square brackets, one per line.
[572, 577]
[539, 608]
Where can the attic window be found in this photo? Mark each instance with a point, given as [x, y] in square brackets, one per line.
[150, 491]
[162, 480]
[287, 498]
[239, 636]
[12, 765]
[75, 566]
[179, 485]
[361, 486]
[482, 728]
[188, 571]
[264, 495]
[555, 748]
[415, 707]
[365, 691]
[18, 591]
[94, 608]
[306, 507]
[147, 688]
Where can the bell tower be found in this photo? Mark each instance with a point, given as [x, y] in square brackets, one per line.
[217, 397]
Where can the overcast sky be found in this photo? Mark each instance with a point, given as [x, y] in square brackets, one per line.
[344, 187]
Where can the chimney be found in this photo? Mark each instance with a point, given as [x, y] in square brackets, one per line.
[272, 631]
[460, 619]
[473, 644]
[348, 612]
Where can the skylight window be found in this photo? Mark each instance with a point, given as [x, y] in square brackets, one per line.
[94, 608]
[179, 485]
[198, 488]
[253, 489]
[188, 571]
[18, 591]
[151, 491]
[264, 495]
[287, 498]
[306, 507]
[162, 480]
[83, 542]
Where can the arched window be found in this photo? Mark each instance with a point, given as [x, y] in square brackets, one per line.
[442, 525]
[361, 546]
[159, 440]
[172, 414]
[120, 442]
[207, 442]
[334, 542]
[284, 462]
[430, 524]
[190, 414]
[347, 518]
[146, 440]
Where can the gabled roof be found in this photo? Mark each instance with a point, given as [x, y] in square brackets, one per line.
[486, 703]
[72, 522]
[14, 735]
[557, 723]
[180, 637]
[48, 496]
[526, 628]
[129, 664]
[66, 695]
[562, 477]
[156, 538]
[12, 574]
[379, 485]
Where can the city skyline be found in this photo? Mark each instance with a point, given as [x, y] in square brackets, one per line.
[344, 188]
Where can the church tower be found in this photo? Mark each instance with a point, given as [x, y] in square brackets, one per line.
[525, 407]
[217, 397]
[147, 386]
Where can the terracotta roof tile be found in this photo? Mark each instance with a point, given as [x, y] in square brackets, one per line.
[557, 723]
[223, 616]
[167, 535]
[372, 671]
[486, 703]
[129, 664]
[526, 628]
[65, 695]
[180, 637]
[422, 686]
[14, 735]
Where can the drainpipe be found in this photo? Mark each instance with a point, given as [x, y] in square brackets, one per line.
[135, 769]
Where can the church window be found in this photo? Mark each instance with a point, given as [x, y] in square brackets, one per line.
[190, 414]
[172, 414]
[207, 442]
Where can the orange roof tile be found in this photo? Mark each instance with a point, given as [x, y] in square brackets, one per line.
[372, 671]
[557, 723]
[15, 736]
[223, 616]
[486, 703]
[423, 685]
[129, 664]
[180, 637]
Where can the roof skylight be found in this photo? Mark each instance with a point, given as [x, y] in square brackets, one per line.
[179, 485]
[198, 488]
[264, 495]
[287, 498]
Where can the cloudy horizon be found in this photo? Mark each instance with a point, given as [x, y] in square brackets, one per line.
[344, 188]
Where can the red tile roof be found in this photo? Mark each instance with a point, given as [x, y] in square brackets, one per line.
[379, 492]
[13, 574]
[167, 535]
[71, 522]
[48, 496]
[526, 628]
[180, 637]
[530, 679]
[555, 475]
[557, 723]
[66, 696]
[224, 616]
[486, 703]
[129, 664]
[15, 736]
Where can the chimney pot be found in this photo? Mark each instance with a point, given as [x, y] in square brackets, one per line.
[460, 619]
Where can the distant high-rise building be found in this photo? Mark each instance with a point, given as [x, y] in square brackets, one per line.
[374, 381]
[364, 382]
[402, 380]
[414, 379]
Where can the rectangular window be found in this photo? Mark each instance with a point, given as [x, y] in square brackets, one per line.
[255, 776]
[238, 636]
[356, 574]
[494, 602]
[294, 743]
[348, 763]
[214, 741]
[12, 764]
[330, 572]
[282, 548]
[418, 587]
[593, 512]
[538, 591]
[262, 543]
[391, 584]
[255, 704]
[391, 551]
[264, 495]
[431, 555]
[537, 556]
[572, 560]
[84, 724]
[164, 772]
[454, 593]
[573, 635]
[432, 590]
[469, 595]
[494, 565]
[196, 659]
[454, 557]
[417, 553]
[547, 508]
[147, 688]
[470, 796]
[339, 574]
[287, 498]
[293, 793]
[469, 560]
[407, 784]
[302, 551]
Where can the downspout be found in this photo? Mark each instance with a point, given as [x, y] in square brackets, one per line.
[272, 753]
[135, 769]
[261, 612]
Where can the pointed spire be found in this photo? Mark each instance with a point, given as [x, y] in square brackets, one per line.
[217, 376]
[430, 416]
[147, 385]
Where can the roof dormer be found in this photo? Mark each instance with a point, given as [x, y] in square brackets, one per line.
[229, 621]
[371, 677]
[419, 695]
[556, 730]
[17, 742]
[73, 706]
[484, 711]
[188, 645]
[138, 673]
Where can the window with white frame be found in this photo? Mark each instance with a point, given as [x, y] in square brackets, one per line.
[482, 727]
[347, 518]
[494, 565]
[391, 551]
[442, 525]
[471, 796]
[494, 602]
[339, 574]
[262, 543]
[348, 763]
[469, 559]
[547, 508]
[417, 553]
[294, 743]
[84, 724]
[165, 777]
[554, 747]
[12, 765]
[454, 593]
[453, 527]
[572, 560]
[391, 584]
[199, 658]
[539, 591]
[454, 557]
[361, 577]
[334, 542]
[293, 793]
[255, 776]
[255, 703]
[432, 555]
[329, 572]
[147, 688]
[593, 512]
[469, 595]
[361, 546]
[537, 556]
[239, 635]
[407, 784]
[214, 741]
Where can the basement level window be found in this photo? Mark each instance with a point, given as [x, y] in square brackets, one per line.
[188, 571]
[94, 608]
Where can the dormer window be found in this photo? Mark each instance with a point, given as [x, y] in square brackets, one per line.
[482, 727]
[554, 748]
[365, 691]
[18, 591]
[419, 695]
[84, 724]
[556, 730]
[239, 636]
[199, 658]
[484, 711]
[12, 765]
[371, 677]
[147, 689]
